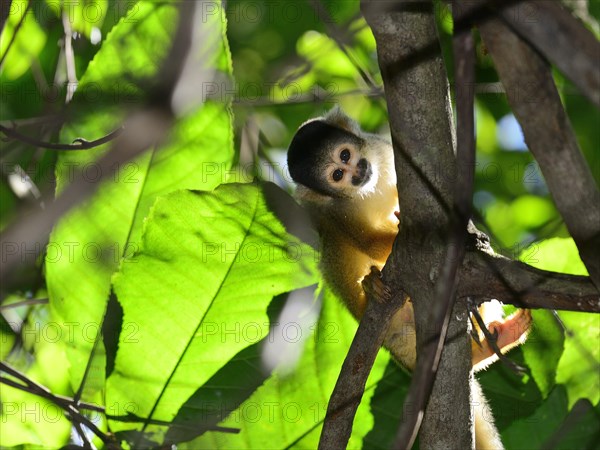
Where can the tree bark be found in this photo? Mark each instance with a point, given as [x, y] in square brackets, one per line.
[420, 115]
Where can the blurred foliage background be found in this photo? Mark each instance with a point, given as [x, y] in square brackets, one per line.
[291, 61]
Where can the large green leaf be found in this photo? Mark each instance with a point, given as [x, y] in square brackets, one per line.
[88, 244]
[288, 410]
[579, 366]
[197, 291]
[554, 424]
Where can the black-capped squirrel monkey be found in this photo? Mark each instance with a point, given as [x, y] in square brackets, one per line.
[347, 181]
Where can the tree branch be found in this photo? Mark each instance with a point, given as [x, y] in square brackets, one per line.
[82, 144]
[350, 385]
[488, 276]
[563, 39]
[422, 387]
[419, 108]
[536, 103]
[37, 389]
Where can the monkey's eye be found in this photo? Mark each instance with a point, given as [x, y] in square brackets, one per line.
[337, 175]
[345, 155]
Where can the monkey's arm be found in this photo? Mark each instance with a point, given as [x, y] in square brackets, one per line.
[344, 267]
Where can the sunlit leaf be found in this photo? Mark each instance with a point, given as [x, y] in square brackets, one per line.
[28, 418]
[288, 411]
[531, 211]
[578, 366]
[544, 349]
[88, 244]
[28, 41]
[197, 293]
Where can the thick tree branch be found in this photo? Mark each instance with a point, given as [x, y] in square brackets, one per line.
[562, 38]
[551, 29]
[420, 118]
[350, 384]
[433, 433]
[536, 103]
[487, 276]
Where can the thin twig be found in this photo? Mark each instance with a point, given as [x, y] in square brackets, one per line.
[337, 35]
[82, 144]
[35, 388]
[69, 57]
[31, 301]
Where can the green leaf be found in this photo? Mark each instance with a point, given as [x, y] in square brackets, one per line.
[510, 396]
[86, 15]
[28, 42]
[197, 292]
[555, 425]
[581, 427]
[530, 211]
[288, 411]
[28, 418]
[579, 366]
[86, 247]
[543, 349]
[535, 429]
[556, 255]
[486, 126]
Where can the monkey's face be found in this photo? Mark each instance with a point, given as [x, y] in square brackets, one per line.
[330, 159]
[347, 168]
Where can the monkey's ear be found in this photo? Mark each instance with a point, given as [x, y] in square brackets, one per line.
[340, 119]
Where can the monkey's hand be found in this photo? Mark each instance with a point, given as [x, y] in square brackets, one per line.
[374, 286]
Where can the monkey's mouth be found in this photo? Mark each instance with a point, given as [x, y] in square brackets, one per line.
[363, 173]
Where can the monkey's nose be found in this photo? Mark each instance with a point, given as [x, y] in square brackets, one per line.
[362, 173]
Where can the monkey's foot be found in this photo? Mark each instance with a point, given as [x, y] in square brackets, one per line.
[511, 331]
[501, 337]
[374, 286]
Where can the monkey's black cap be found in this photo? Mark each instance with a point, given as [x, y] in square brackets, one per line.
[310, 150]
